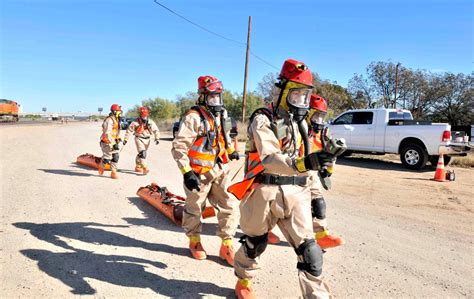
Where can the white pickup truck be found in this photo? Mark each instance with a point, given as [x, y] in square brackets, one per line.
[380, 131]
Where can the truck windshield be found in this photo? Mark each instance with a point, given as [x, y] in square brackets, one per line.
[402, 115]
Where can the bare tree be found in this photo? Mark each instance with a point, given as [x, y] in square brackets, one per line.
[361, 91]
[266, 86]
[389, 82]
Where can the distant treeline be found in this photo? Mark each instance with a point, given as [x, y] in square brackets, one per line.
[440, 97]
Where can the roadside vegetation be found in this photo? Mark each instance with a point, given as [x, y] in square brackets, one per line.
[466, 162]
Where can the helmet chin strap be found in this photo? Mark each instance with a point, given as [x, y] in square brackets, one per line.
[281, 86]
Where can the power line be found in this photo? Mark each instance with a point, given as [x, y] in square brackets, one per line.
[214, 33]
[197, 25]
[263, 60]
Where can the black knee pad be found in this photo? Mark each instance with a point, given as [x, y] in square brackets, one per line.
[318, 208]
[115, 157]
[142, 155]
[312, 257]
[254, 246]
[106, 161]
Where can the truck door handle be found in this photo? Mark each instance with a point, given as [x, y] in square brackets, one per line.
[349, 128]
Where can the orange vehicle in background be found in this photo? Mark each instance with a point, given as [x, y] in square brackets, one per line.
[8, 110]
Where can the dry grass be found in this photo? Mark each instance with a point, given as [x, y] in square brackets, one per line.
[242, 130]
[165, 125]
[466, 162]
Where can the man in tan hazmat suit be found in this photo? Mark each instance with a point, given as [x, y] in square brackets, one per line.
[143, 128]
[276, 186]
[201, 149]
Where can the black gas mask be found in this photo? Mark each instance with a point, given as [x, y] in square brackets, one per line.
[144, 119]
[317, 121]
[214, 103]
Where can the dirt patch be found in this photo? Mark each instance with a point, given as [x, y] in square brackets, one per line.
[66, 231]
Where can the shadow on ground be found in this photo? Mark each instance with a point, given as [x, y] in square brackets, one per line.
[93, 171]
[68, 172]
[76, 267]
[77, 165]
[129, 171]
[80, 166]
[154, 218]
[373, 163]
[166, 139]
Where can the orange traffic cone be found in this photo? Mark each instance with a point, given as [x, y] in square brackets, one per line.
[440, 174]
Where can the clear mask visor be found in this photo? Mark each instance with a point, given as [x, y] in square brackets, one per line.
[299, 97]
[318, 118]
[214, 100]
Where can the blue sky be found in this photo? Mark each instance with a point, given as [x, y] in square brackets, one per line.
[77, 55]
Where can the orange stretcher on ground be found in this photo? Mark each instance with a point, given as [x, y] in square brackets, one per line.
[169, 204]
[91, 161]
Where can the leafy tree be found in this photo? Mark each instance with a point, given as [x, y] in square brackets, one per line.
[160, 109]
[233, 104]
[133, 112]
[337, 97]
[183, 103]
[441, 97]
[456, 99]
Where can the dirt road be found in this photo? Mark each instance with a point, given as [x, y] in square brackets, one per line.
[65, 230]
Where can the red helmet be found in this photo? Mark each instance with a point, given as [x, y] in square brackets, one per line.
[209, 84]
[319, 103]
[144, 111]
[296, 71]
[115, 107]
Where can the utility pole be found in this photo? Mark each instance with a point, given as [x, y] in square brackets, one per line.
[396, 85]
[244, 96]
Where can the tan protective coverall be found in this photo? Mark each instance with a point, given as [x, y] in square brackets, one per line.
[107, 148]
[316, 187]
[213, 183]
[319, 225]
[288, 206]
[142, 138]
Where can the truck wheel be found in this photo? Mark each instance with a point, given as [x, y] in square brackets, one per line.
[434, 160]
[413, 156]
